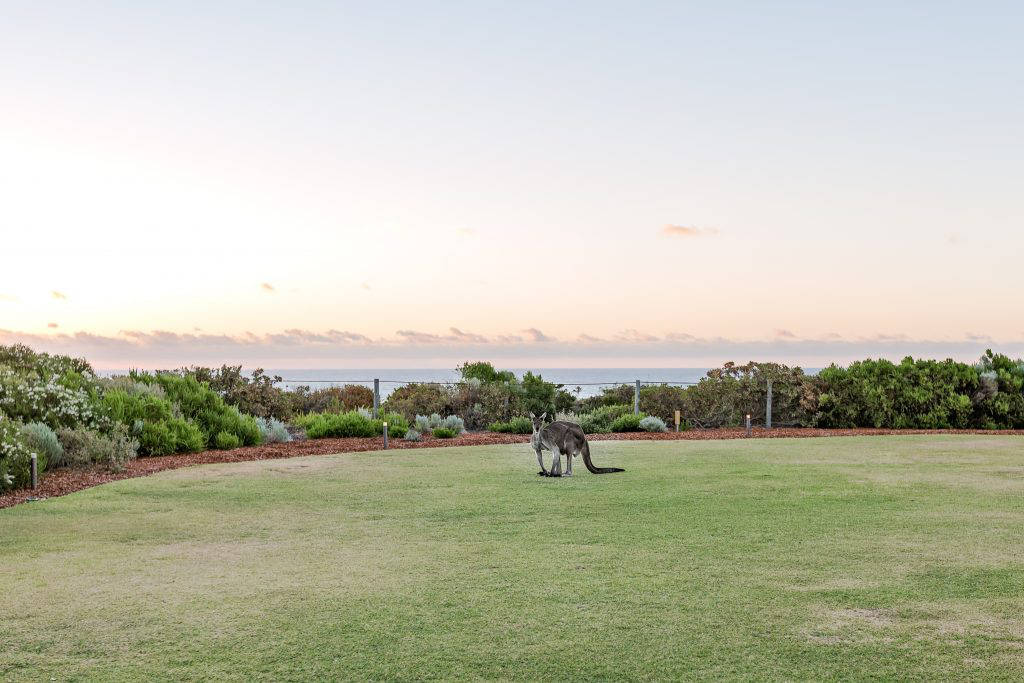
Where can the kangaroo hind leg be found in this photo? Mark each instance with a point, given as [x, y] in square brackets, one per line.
[556, 463]
[540, 459]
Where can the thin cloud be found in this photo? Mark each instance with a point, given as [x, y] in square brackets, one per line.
[52, 326]
[785, 334]
[535, 335]
[7, 297]
[468, 337]
[672, 230]
[465, 232]
[267, 287]
[58, 295]
[336, 348]
[635, 337]
[365, 285]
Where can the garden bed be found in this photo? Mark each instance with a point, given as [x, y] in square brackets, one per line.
[63, 481]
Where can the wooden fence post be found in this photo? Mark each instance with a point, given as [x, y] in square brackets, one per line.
[768, 407]
[376, 398]
[636, 398]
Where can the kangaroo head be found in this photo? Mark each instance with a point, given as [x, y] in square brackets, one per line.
[538, 421]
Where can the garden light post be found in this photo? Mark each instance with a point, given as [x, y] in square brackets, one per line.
[35, 472]
[748, 424]
[385, 435]
[677, 420]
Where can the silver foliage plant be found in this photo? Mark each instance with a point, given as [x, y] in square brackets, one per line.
[273, 430]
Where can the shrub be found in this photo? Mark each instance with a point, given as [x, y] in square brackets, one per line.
[397, 425]
[41, 440]
[454, 423]
[273, 430]
[225, 441]
[205, 407]
[329, 399]
[653, 424]
[352, 423]
[630, 422]
[485, 372]
[424, 424]
[445, 433]
[56, 390]
[412, 435]
[621, 394]
[600, 419]
[15, 456]
[420, 399]
[152, 419]
[913, 394]
[517, 425]
[255, 394]
[83, 447]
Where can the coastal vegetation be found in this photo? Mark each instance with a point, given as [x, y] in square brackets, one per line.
[60, 410]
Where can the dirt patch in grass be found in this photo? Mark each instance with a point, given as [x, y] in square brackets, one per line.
[61, 482]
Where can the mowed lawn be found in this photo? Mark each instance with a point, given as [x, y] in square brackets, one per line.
[756, 559]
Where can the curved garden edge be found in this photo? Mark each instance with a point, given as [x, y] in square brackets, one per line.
[64, 481]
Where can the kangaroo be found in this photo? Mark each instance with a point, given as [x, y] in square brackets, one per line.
[562, 438]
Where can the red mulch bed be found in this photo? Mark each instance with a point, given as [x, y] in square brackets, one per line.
[63, 481]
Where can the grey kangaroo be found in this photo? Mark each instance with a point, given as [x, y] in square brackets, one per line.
[562, 438]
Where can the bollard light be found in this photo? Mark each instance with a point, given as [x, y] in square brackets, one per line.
[748, 424]
[35, 472]
[385, 435]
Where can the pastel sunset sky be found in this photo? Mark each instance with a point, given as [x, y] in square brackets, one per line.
[334, 184]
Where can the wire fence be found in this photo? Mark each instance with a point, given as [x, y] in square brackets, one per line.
[761, 417]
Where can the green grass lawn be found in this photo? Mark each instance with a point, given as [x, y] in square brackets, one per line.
[766, 559]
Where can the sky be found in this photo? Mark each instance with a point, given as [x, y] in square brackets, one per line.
[549, 184]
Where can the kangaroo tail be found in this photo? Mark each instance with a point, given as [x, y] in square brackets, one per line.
[590, 465]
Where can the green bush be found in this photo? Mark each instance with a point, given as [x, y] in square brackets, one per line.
[411, 435]
[84, 447]
[152, 420]
[323, 425]
[445, 433]
[629, 422]
[517, 425]
[42, 441]
[256, 394]
[599, 420]
[15, 456]
[352, 424]
[200, 404]
[397, 425]
[485, 372]
[225, 441]
[921, 394]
